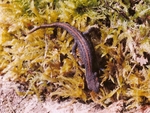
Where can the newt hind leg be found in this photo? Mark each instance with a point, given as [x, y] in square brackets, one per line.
[74, 49]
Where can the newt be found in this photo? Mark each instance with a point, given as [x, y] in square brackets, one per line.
[86, 50]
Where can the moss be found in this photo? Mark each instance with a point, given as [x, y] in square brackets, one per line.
[43, 62]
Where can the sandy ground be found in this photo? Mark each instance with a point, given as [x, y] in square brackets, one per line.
[10, 102]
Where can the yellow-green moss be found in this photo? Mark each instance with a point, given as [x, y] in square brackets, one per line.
[34, 60]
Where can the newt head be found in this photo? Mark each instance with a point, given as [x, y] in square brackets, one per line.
[93, 82]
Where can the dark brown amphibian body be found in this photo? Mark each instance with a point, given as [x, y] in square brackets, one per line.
[86, 50]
